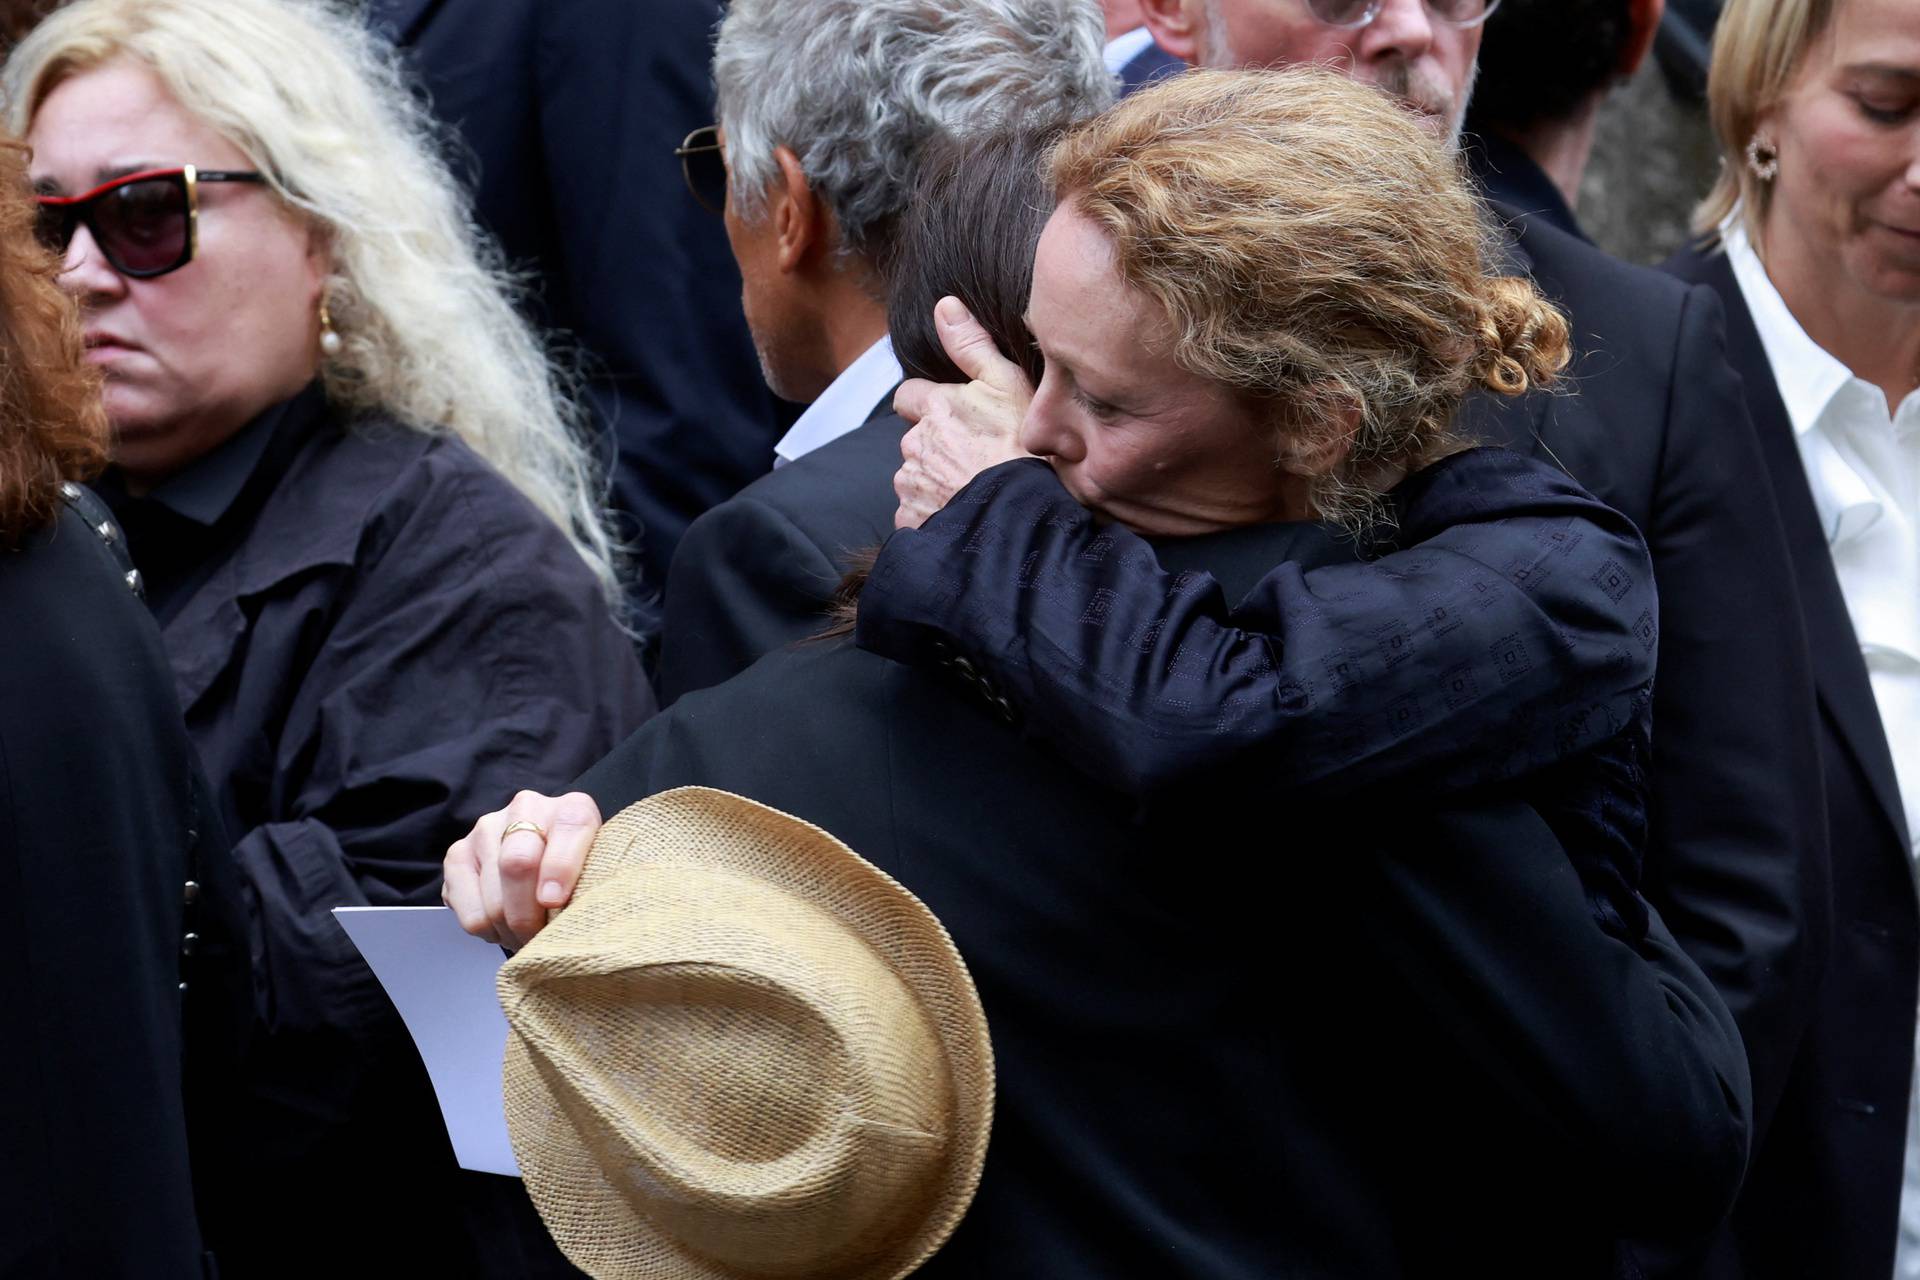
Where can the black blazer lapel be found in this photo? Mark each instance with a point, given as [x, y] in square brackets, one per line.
[1840, 673]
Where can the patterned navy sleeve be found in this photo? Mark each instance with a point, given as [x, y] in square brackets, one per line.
[1508, 626]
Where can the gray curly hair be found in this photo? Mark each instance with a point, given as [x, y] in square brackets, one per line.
[855, 88]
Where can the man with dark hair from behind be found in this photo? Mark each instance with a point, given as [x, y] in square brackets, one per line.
[1546, 66]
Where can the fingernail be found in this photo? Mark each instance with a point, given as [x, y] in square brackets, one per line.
[951, 311]
[551, 894]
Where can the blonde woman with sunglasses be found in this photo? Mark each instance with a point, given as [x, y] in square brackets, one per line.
[350, 483]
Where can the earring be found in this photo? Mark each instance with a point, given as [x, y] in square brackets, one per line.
[1763, 159]
[329, 340]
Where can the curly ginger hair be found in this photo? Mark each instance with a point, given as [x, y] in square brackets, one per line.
[52, 425]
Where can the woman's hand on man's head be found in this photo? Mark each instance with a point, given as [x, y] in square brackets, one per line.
[518, 863]
[957, 431]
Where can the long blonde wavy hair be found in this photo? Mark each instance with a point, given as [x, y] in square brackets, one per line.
[423, 305]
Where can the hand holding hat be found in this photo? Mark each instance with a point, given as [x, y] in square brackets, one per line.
[743, 1051]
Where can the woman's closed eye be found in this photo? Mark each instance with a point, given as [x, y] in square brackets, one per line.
[1100, 409]
[1885, 111]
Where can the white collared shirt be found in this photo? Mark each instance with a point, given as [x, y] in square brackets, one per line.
[1863, 466]
[846, 403]
[1123, 49]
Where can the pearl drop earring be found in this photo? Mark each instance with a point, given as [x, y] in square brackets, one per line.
[329, 340]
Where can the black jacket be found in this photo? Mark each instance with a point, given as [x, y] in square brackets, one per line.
[1823, 1195]
[1220, 1053]
[758, 571]
[102, 826]
[375, 639]
[1512, 178]
[1655, 427]
[569, 111]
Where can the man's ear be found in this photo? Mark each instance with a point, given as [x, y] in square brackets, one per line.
[798, 219]
[1643, 24]
[1178, 26]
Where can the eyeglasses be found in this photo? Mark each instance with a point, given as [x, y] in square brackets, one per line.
[146, 223]
[1358, 13]
[704, 166]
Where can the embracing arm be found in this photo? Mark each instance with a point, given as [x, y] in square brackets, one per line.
[1514, 629]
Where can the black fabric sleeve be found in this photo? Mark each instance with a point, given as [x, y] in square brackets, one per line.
[1515, 629]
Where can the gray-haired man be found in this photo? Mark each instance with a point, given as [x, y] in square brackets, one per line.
[824, 105]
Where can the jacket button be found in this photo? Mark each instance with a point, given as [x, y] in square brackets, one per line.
[183, 988]
[135, 583]
[190, 892]
[189, 944]
[69, 490]
[108, 533]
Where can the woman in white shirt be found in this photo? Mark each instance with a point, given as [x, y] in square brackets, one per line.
[1813, 242]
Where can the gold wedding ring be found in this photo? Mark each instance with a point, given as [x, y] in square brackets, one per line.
[534, 827]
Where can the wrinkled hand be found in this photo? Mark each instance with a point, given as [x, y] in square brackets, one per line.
[958, 431]
[501, 889]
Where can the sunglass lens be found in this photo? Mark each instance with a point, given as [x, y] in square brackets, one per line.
[707, 175]
[53, 228]
[142, 226]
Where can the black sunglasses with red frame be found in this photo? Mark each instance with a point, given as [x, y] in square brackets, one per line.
[145, 223]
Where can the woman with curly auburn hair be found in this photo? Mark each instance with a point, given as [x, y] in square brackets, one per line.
[351, 483]
[106, 832]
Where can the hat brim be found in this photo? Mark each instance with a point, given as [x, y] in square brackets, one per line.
[592, 1222]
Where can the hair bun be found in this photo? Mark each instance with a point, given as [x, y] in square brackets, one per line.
[1524, 337]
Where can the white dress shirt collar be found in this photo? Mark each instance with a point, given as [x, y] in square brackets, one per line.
[1123, 49]
[1807, 375]
[846, 403]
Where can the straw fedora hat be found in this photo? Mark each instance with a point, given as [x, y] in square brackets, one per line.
[743, 1051]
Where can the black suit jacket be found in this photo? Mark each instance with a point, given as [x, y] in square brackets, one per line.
[569, 111]
[102, 823]
[1659, 430]
[1511, 177]
[1220, 1052]
[1823, 1195]
[758, 571]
